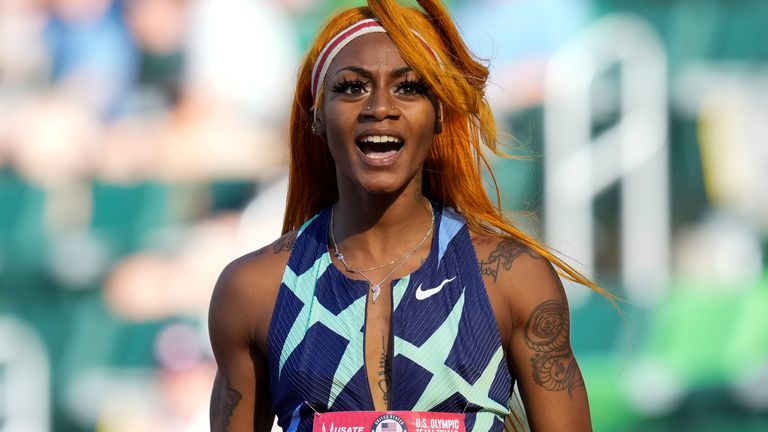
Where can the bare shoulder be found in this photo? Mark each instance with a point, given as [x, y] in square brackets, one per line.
[245, 293]
[497, 255]
[516, 275]
[531, 308]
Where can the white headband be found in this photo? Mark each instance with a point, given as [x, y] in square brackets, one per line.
[329, 52]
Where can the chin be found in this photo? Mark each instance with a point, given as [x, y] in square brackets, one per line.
[385, 184]
[382, 189]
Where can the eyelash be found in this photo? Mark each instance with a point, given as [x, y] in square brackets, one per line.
[417, 87]
[345, 86]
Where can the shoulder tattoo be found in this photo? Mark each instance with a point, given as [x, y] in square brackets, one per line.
[284, 243]
[224, 400]
[546, 333]
[502, 257]
[260, 252]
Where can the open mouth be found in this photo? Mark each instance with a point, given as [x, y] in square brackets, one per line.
[379, 146]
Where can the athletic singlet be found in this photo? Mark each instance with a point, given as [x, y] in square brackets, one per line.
[447, 353]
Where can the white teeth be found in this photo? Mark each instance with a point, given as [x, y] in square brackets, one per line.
[380, 139]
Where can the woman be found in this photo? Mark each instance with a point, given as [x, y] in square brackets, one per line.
[397, 284]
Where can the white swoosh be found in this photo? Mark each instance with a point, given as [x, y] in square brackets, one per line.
[427, 293]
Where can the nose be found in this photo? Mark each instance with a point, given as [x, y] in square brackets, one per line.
[381, 106]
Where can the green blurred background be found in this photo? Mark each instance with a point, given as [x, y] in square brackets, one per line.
[143, 146]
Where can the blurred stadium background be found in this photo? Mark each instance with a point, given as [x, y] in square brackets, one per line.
[143, 145]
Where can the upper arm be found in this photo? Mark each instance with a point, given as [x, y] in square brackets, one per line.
[238, 322]
[537, 338]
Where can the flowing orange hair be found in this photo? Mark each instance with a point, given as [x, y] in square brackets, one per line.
[453, 170]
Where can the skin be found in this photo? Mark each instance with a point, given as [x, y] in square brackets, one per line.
[380, 215]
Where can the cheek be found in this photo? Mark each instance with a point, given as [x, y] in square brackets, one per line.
[339, 127]
[340, 115]
[425, 126]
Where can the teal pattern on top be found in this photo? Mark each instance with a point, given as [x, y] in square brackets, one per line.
[447, 353]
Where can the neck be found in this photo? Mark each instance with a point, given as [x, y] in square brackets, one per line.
[374, 229]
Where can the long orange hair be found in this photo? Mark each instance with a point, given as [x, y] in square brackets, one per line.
[453, 170]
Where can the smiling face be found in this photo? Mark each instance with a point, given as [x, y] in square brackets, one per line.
[378, 118]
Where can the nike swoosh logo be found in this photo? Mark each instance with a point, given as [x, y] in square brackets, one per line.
[427, 293]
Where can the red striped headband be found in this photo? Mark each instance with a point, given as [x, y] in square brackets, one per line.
[329, 52]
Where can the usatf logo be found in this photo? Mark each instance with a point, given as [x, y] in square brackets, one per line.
[389, 423]
[343, 428]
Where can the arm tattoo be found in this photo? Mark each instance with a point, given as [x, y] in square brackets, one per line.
[223, 402]
[504, 255]
[284, 243]
[546, 333]
[385, 370]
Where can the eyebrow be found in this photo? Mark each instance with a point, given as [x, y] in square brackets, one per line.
[366, 73]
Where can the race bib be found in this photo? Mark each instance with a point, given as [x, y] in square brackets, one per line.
[388, 421]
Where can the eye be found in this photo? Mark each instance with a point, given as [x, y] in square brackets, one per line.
[351, 87]
[412, 88]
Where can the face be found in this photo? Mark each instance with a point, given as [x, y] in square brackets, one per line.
[378, 118]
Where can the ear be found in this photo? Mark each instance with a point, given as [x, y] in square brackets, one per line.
[438, 118]
[318, 122]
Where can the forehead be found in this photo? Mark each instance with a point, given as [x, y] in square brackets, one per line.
[371, 51]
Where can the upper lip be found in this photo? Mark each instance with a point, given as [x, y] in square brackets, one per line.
[379, 132]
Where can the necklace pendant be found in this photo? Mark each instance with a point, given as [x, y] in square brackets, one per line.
[375, 290]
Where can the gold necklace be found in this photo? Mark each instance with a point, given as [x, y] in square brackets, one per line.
[376, 287]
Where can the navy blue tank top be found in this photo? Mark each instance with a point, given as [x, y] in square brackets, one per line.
[447, 353]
